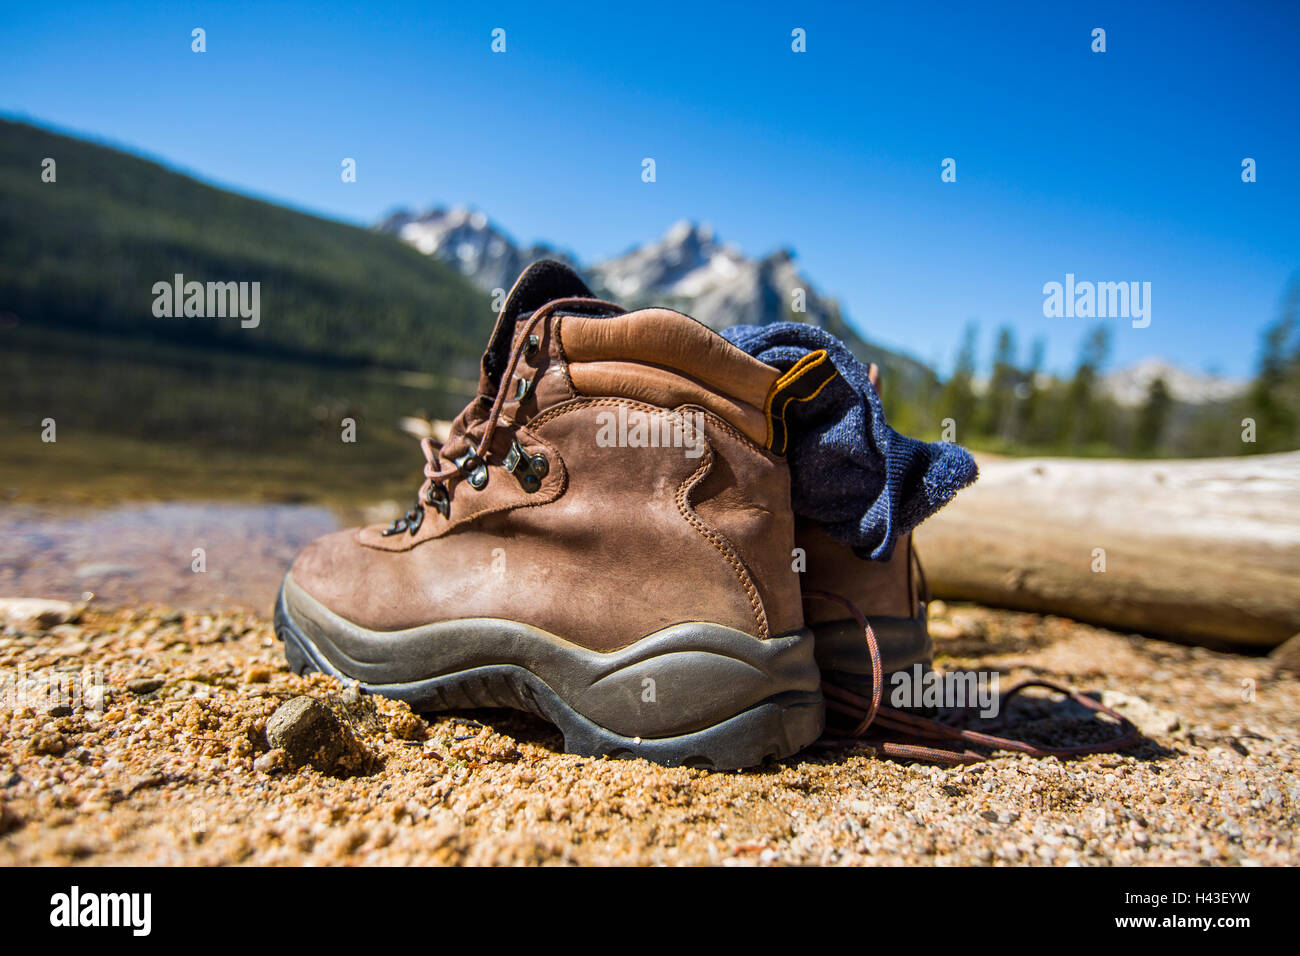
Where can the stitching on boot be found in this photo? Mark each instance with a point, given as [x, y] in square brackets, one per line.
[714, 537]
[722, 425]
[557, 322]
[719, 541]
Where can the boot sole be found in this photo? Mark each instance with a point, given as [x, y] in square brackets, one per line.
[694, 694]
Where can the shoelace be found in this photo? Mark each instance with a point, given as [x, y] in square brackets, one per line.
[433, 492]
[881, 721]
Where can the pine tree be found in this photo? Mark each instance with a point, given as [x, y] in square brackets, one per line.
[1152, 418]
[1000, 400]
[957, 401]
[1274, 398]
[1084, 417]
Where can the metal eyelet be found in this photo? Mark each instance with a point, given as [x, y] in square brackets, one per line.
[397, 527]
[414, 518]
[437, 497]
[522, 387]
[531, 346]
[474, 468]
[529, 469]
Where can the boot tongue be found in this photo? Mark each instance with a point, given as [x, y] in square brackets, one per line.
[544, 281]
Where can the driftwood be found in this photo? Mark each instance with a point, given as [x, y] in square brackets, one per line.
[1201, 550]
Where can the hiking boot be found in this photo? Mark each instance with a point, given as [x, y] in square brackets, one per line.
[891, 594]
[603, 540]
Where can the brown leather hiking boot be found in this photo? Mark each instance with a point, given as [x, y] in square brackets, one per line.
[603, 540]
[892, 594]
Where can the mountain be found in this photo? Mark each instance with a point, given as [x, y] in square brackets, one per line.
[85, 251]
[466, 240]
[1128, 386]
[716, 283]
[687, 269]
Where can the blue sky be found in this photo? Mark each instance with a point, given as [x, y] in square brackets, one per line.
[1119, 166]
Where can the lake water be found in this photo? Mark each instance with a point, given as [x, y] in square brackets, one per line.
[181, 554]
[160, 451]
[136, 421]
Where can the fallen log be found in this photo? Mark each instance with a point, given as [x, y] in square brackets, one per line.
[1205, 550]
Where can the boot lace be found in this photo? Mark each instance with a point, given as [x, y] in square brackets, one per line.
[473, 462]
[889, 729]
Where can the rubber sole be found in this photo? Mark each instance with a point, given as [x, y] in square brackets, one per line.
[694, 694]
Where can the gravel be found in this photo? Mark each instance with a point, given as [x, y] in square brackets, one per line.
[190, 773]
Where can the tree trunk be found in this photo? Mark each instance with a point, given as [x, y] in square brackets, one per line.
[1202, 550]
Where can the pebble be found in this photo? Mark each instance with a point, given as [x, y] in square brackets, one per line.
[273, 761]
[51, 743]
[37, 612]
[310, 733]
[144, 685]
[1149, 719]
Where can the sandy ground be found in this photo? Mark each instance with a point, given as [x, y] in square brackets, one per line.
[166, 763]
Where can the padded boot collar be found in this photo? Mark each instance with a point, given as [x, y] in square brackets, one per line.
[544, 281]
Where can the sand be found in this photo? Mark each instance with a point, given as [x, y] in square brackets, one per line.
[164, 761]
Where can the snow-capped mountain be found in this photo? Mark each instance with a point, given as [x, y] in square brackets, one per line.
[1129, 386]
[467, 240]
[715, 282]
[688, 269]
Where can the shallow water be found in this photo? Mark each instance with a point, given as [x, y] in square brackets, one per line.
[146, 553]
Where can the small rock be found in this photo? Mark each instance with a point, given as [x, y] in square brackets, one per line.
[944, 631]
[311, 733]
[9, 819]
[48, 742]
[357, 709]
[144, 685]
[1147, 718]
[406, 725]
[257, 674]
[273, 761]
[153, 778]
[37, 612]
